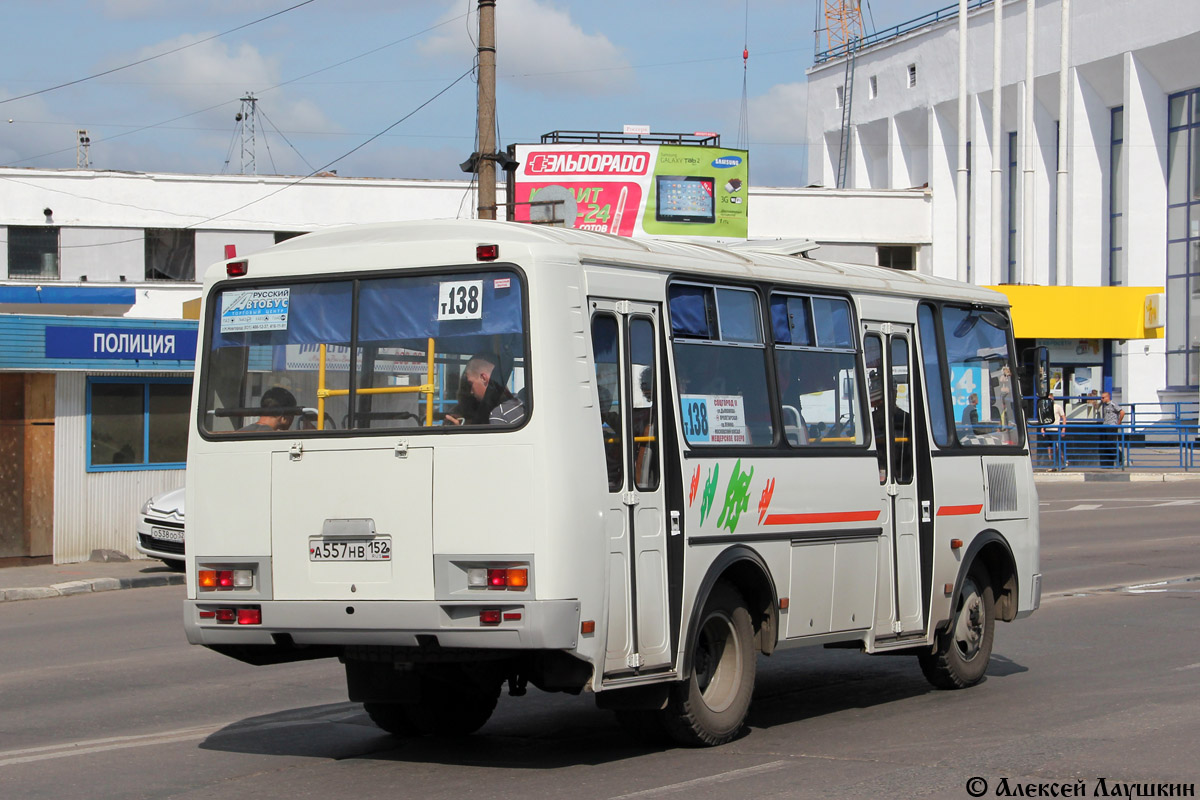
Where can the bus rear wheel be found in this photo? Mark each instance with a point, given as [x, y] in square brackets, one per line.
[709, 708]
[962, 650]
[452, 702]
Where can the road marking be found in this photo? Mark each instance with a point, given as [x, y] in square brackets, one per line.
[1084, 507]
[722, 777]
[28, 755]
[1189, 666]
[7, 757]
[1190, 502]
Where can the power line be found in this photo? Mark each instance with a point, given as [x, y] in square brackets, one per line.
[159, 55]
[227, 102]
[286, 186]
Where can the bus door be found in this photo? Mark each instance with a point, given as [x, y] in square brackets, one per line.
[888, 352]
[625, 343]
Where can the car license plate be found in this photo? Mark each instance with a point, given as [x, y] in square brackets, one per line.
[377, 549]
[166, 535]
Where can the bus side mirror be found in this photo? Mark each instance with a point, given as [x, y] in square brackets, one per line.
[1035, 370]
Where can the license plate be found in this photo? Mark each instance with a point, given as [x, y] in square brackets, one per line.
[166, 535]
[377, 549]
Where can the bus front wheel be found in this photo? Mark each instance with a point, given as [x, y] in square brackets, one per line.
[709, 708]
[961, 653]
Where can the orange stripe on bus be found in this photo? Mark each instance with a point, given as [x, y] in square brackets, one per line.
[814, 518]
[956, 511]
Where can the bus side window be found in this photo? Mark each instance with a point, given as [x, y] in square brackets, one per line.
[605, 347]
[873, 356]
[720, 364]
[643, 380]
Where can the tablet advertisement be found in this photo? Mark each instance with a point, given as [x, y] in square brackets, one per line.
[634, 190]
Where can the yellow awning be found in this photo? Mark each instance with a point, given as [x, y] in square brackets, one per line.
[1087, 312]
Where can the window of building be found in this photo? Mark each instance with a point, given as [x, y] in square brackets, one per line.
[839, 99]
[897, 256]
[1012, 275]
[1116, 199]
[721, 365]
[170, 254]
[137, 423]
[873, 87]
[912, 75]
[33, 252]
[1183, 240]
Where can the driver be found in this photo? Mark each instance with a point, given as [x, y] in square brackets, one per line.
[486, 400]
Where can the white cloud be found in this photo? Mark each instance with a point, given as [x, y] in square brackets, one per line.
[778, 135]
[214, 72]
[540, 49]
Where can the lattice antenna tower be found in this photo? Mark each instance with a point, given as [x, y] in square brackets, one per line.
[843, 25]
[83, 149]
[246, 117]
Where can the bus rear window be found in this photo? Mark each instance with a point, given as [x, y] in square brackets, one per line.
[404, 352]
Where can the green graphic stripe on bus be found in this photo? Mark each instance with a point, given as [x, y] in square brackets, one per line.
[737, 498]
[710, 491]
[957, 511]
[818, 517]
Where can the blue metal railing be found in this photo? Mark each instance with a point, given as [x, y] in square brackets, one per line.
[896, 30]
[1153, 436]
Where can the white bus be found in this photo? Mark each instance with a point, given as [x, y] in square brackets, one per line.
[461, 454]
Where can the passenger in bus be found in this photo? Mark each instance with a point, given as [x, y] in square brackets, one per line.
[483, 399]
[275, 397]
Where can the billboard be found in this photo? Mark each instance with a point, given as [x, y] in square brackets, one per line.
[634, 190]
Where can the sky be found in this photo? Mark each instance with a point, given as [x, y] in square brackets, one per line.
[385, 88]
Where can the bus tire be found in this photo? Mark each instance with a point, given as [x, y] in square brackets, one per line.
[453, 702]
[709, 708]
[391, 717]
[961, 652]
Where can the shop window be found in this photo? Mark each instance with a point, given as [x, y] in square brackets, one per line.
[720, 363]
[136, 423]
[170, 254]
[33, 252]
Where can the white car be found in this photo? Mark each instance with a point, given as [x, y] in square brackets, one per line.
[160, 528]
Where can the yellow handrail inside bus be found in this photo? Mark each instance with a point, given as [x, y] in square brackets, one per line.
[427, 388]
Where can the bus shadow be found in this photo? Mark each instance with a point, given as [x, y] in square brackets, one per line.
[542, 731]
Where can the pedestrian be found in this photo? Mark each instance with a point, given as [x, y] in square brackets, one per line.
[1111, 417]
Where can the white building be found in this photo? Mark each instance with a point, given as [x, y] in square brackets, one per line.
[1132, 129]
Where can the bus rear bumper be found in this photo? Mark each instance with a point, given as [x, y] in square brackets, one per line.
[538, 624]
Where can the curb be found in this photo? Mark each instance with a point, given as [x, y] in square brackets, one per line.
[1115, 477]
[92, 585]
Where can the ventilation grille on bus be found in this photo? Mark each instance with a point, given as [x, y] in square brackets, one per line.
[1002, 487]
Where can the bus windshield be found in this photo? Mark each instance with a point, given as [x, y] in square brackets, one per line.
[381, 353]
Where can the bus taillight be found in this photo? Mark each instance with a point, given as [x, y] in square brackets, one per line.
[514, 578]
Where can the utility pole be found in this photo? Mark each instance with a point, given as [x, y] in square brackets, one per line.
[247, 119]
[83, 149]
[486, 114]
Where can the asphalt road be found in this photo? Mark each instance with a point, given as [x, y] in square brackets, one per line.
[100, 697]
